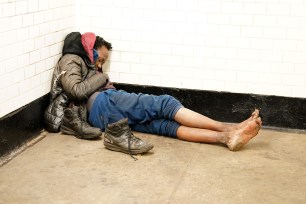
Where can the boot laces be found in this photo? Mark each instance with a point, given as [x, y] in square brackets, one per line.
[131, 138]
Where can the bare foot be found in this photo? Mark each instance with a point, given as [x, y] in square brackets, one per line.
[255, 115]
[239, 138]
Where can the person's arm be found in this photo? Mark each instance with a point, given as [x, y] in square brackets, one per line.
[72, 83]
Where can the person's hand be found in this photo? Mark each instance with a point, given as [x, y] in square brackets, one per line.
[109, 85]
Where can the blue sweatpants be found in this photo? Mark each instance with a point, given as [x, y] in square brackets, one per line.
[146, 113]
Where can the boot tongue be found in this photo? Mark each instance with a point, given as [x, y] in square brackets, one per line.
[123, 122]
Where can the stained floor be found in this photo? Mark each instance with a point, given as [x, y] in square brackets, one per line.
[63, 169]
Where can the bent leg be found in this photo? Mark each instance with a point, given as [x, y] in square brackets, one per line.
[113, 105]
[193, 119]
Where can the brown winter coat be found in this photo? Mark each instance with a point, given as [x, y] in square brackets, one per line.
[72, 80]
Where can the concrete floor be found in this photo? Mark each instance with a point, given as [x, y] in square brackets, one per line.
[63, 169]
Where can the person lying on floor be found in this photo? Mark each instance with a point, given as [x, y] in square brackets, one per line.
[117, 112]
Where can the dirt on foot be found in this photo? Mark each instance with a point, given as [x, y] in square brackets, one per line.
[240, 137]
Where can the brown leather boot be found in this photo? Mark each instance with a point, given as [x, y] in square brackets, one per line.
[119, 137]
[74, 123]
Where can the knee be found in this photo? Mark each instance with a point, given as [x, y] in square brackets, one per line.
[170, 106]
[170, 99]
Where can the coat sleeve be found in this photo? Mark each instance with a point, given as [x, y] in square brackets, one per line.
[76, 88]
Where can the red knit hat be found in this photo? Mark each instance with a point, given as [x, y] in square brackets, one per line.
[88, 42]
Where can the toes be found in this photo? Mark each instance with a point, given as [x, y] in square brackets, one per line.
[258, 121]
[255, 114]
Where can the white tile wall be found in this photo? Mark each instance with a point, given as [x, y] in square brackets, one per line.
[245, 46]
[32, 32]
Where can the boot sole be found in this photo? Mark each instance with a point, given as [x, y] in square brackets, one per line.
[120, 149]
[69, 131]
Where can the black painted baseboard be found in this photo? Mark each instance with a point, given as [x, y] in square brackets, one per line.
[275, 111]
[22, 125]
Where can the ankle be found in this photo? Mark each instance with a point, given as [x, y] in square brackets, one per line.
[225, 137]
